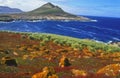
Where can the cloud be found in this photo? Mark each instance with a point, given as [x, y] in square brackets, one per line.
[57, 0]
[81, 7]
[28, 5]
[25, 5]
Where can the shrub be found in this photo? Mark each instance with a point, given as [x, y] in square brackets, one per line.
[72, 42]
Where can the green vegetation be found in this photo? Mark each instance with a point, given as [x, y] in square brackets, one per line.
[46, 12]
[74, 42]
[70, 41]
[34, 51]
[48, 9]
[8, 69]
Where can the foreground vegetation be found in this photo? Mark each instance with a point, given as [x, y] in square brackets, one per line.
[74, 42]
[29, 53]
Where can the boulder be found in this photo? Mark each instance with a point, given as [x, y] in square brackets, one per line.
[64, 62]
[9, 61]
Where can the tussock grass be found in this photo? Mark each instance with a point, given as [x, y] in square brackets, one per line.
[74, 42]
[70, 41]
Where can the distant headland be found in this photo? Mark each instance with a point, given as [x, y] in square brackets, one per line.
[47, 11]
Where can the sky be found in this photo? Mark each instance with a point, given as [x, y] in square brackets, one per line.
[108, 8]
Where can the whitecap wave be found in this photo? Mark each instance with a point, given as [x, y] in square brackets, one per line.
[94, 20]
[116, 38]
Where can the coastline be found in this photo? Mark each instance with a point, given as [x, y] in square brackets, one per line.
[9, 18]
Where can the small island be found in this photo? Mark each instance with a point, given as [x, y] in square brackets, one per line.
[46, 12]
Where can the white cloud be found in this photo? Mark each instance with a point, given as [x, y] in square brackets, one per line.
[28, 5]
[25, 5]
[56, 0]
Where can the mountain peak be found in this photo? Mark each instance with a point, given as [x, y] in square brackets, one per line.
[48, 5]
[48, 9]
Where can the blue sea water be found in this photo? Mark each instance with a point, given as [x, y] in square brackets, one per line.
[105, 29]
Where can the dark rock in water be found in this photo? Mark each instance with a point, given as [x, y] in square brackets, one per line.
[9, 61]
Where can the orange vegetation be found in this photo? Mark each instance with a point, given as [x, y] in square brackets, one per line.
[48, 72]
[110, 70]
[52, 60]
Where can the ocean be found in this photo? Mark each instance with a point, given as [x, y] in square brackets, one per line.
[105, 29]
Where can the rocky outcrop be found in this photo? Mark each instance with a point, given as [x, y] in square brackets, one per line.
[49, 17]
[64, 62]
[8, 61]
[6, 18]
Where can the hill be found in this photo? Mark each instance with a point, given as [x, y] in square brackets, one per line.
[49, 9]
[47, 12]
[5, 10]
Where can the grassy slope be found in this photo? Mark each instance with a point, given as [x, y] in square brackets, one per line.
[49, 9]
[74, 42]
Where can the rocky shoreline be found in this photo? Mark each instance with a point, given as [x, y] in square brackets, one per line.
[9, 18]
[6, 18]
